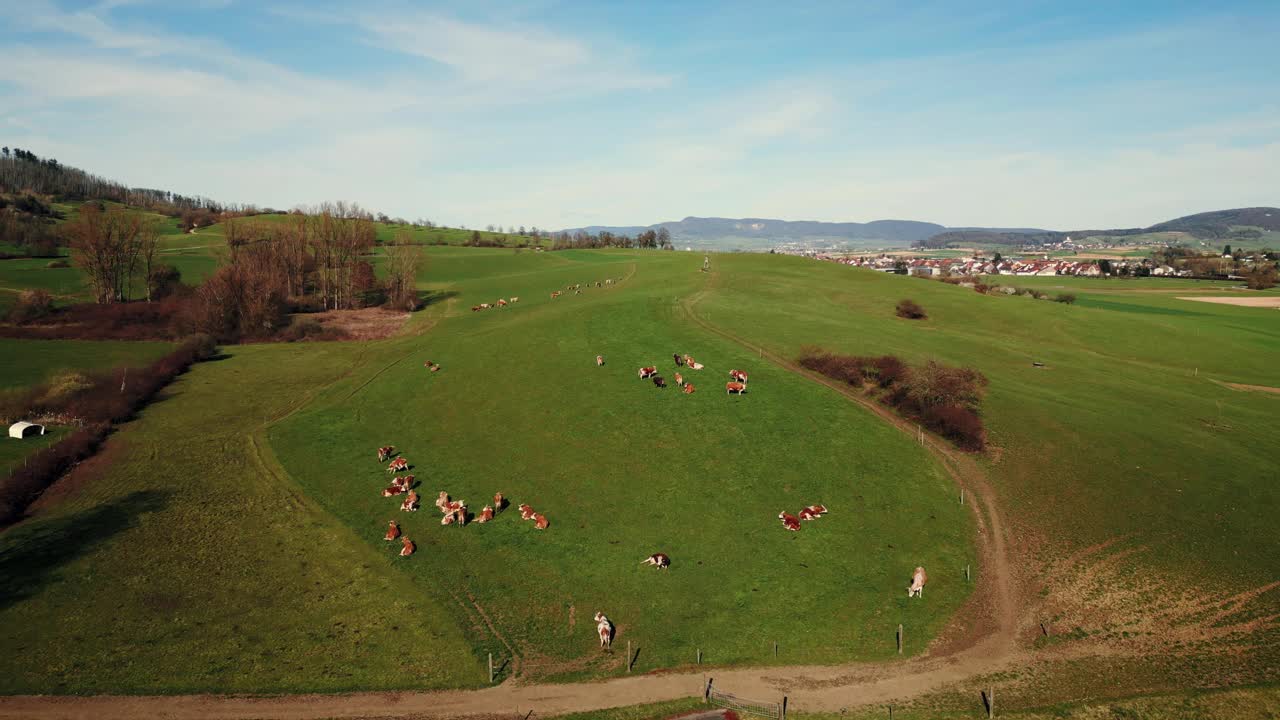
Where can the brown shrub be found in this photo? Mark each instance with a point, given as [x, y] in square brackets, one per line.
[32, 305]
[960, 425]
[911, 310]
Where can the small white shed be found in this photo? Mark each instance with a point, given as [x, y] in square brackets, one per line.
[25, 429]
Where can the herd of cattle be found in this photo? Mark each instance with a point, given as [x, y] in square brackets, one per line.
[737, 383]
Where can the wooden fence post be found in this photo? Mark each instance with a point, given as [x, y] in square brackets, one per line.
[490, 668]
[699, 656]
[899, 638]
[784, 707]
[628, 656]
[966, 572]
[775, 649]
[961, 496]
[706, 693]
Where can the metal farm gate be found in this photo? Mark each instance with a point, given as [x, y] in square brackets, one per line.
[742, 706]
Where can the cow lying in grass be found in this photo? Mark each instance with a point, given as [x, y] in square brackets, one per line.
[540, 522]
[407, 547]
[604, 628]
[658, 560]
[813, 512]
[410, 503]
[555, 294]
[526, 512]
[918, 579]
[734, 387]
[485, 515]
[393, 531]
[789, 521]
[393, 490]
[688, 388]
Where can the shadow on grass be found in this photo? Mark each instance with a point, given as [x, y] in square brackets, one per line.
[427, 299]
[32, 552]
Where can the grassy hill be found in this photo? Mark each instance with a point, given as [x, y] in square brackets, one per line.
[234, 530]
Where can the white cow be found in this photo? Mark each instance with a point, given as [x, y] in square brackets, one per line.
[604, 629]
[917, 583]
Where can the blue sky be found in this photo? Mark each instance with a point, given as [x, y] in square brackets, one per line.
[559, 114]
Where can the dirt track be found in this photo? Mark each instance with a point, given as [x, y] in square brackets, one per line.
[991, 644]
[1262, 302]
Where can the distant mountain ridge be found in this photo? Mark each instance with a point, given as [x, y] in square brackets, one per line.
[755, 233]
[1241, 223]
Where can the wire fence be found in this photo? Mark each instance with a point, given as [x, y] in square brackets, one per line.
[742, 706]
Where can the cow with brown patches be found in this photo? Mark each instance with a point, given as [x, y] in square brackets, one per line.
[398, 465]
[918, 579]
[647, 372]
[734, 387]
[688, 388]
[789, 521]
[526, 512]
[393, 531]
[658, 560]
[739, 375]
[679, 380]
[604, 629]
[499, 502]
[485, 515]
[599, 360]
[407, 547]
[384, 453]
[540, 522]
[410, 503]
[393, 490]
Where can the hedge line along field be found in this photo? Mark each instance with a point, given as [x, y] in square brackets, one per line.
[27, 362]
[623, 469]
[1123, 436]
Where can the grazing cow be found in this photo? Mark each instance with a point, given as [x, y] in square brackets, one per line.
[441, 500]
[659, 560]
[818, 509]
[658, 381]
[807, 514]
[435, 368]
[555, 294]
[502, 303]
[461, 513]
[679, 380]
[599, 360]
[475, 308]
[410, 503]
[393, 531]
[688, 388]
[398, 465]
[679, 360]
[688, 360]
[609, 281]
[407, 548]
[604, 629]
[917, 583]
[384, 453]
[739, 375]
[515, 299]
[485, 515]
[734, 387]
[447, 519]
[789, 521]
[540, 522]
[484, 306]
[646, 372]
[526, 512]
[393, 491]
[499, 502]
[696, 365]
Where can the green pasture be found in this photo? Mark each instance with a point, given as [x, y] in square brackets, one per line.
[14, 450]
[27, 362]
[623, 469]
[1122, 435]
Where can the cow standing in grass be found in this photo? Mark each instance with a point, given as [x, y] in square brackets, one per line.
[599, 360]
[739, 375]
[679, 380]
[659, 381]
[499, 502]
[384, 453]
[918, 579]
[678, 360]
[398, 465]
[789, 521]
[646, 372]
[604, 628]
[813, 512]
[734, 387]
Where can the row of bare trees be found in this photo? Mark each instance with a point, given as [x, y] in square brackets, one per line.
[114, 247]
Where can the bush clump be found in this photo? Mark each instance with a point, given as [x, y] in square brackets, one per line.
[911, 310]
[944, 399]
[32, 305]
[1065, 298]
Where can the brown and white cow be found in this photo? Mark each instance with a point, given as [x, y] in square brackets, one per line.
[393, 490]
[410, 503]
[739, 375]
[502, 303]
[604, 628]
[485, 306]
[696, 365]
[475, 308]
[679, 380]
[393, 531]
[688, 388]
[499, 502]
[734, 387]
[526, 512]
[442, 499]
[917, 583]
[385, 452]
[407, 547]
[646, 372]
[540, 522]
[658, 560]
[789, 521]
[555, 294]
[485, 515]
[819, 509]
[398, 465]
[688, 360]
[599, 360]
[405, 481]
[813, 512]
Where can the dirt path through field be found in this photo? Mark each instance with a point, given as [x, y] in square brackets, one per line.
[981, 640]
